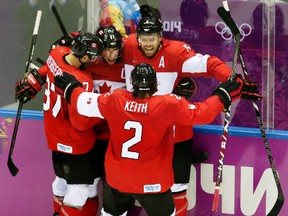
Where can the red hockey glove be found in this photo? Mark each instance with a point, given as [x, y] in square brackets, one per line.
[28, 87]
[250, 91]
[65, 84]
[65, 40]
[228, 91]
[185, 88]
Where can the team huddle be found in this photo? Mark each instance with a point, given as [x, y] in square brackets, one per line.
[117, 113]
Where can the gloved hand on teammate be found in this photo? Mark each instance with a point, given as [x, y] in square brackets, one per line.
[65, 40]
[185, 88]
[29, 86]
[65, 84]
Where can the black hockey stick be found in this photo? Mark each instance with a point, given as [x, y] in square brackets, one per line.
[12, 167]
[59, 20]
[227, 116]
[280, 199]
[40, 61]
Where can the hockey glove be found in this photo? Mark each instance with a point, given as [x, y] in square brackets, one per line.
[65, 85]
[65, 40]
[228, 91]
[185, 88]
[28, 87]
[250, 91]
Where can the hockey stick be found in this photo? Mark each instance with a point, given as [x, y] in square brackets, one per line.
[280, 199]
[12, 167]
[33, 66]
[59, 20]
[227, 115]
[61, 25]
[40, 61]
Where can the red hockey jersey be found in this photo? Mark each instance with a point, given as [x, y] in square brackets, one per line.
[173, 61]
[66, 130]
[106, 78]
[139, 155]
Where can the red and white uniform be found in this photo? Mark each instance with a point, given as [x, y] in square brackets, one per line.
[66, 130]
[106, 78]
[140, 151]
[173, 61]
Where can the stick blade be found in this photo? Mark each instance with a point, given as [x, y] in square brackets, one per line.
[278, 204]
[12, 167]
[215, 199]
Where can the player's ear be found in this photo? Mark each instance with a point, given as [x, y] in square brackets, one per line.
[85, 58]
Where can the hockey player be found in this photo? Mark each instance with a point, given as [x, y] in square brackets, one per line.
[107, 75]
[70, 136]
[172, 61]
[138, 161]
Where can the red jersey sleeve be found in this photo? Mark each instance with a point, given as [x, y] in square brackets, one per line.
[196, 64]
[218, 69]
[43, 70]
[198, 113]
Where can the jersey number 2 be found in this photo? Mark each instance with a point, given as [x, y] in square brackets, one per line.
[126, 153]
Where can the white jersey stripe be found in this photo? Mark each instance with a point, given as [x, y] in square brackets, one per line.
[196, 64]
[87, 104]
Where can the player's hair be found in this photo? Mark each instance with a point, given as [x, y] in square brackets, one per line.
[144, 80]
[86, 44]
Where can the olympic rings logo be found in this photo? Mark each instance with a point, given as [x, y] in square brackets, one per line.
[225, 32]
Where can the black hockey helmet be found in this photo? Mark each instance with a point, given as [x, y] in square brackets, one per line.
[87, 44]
[150, 24]
[144, 78]
[110, 36]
